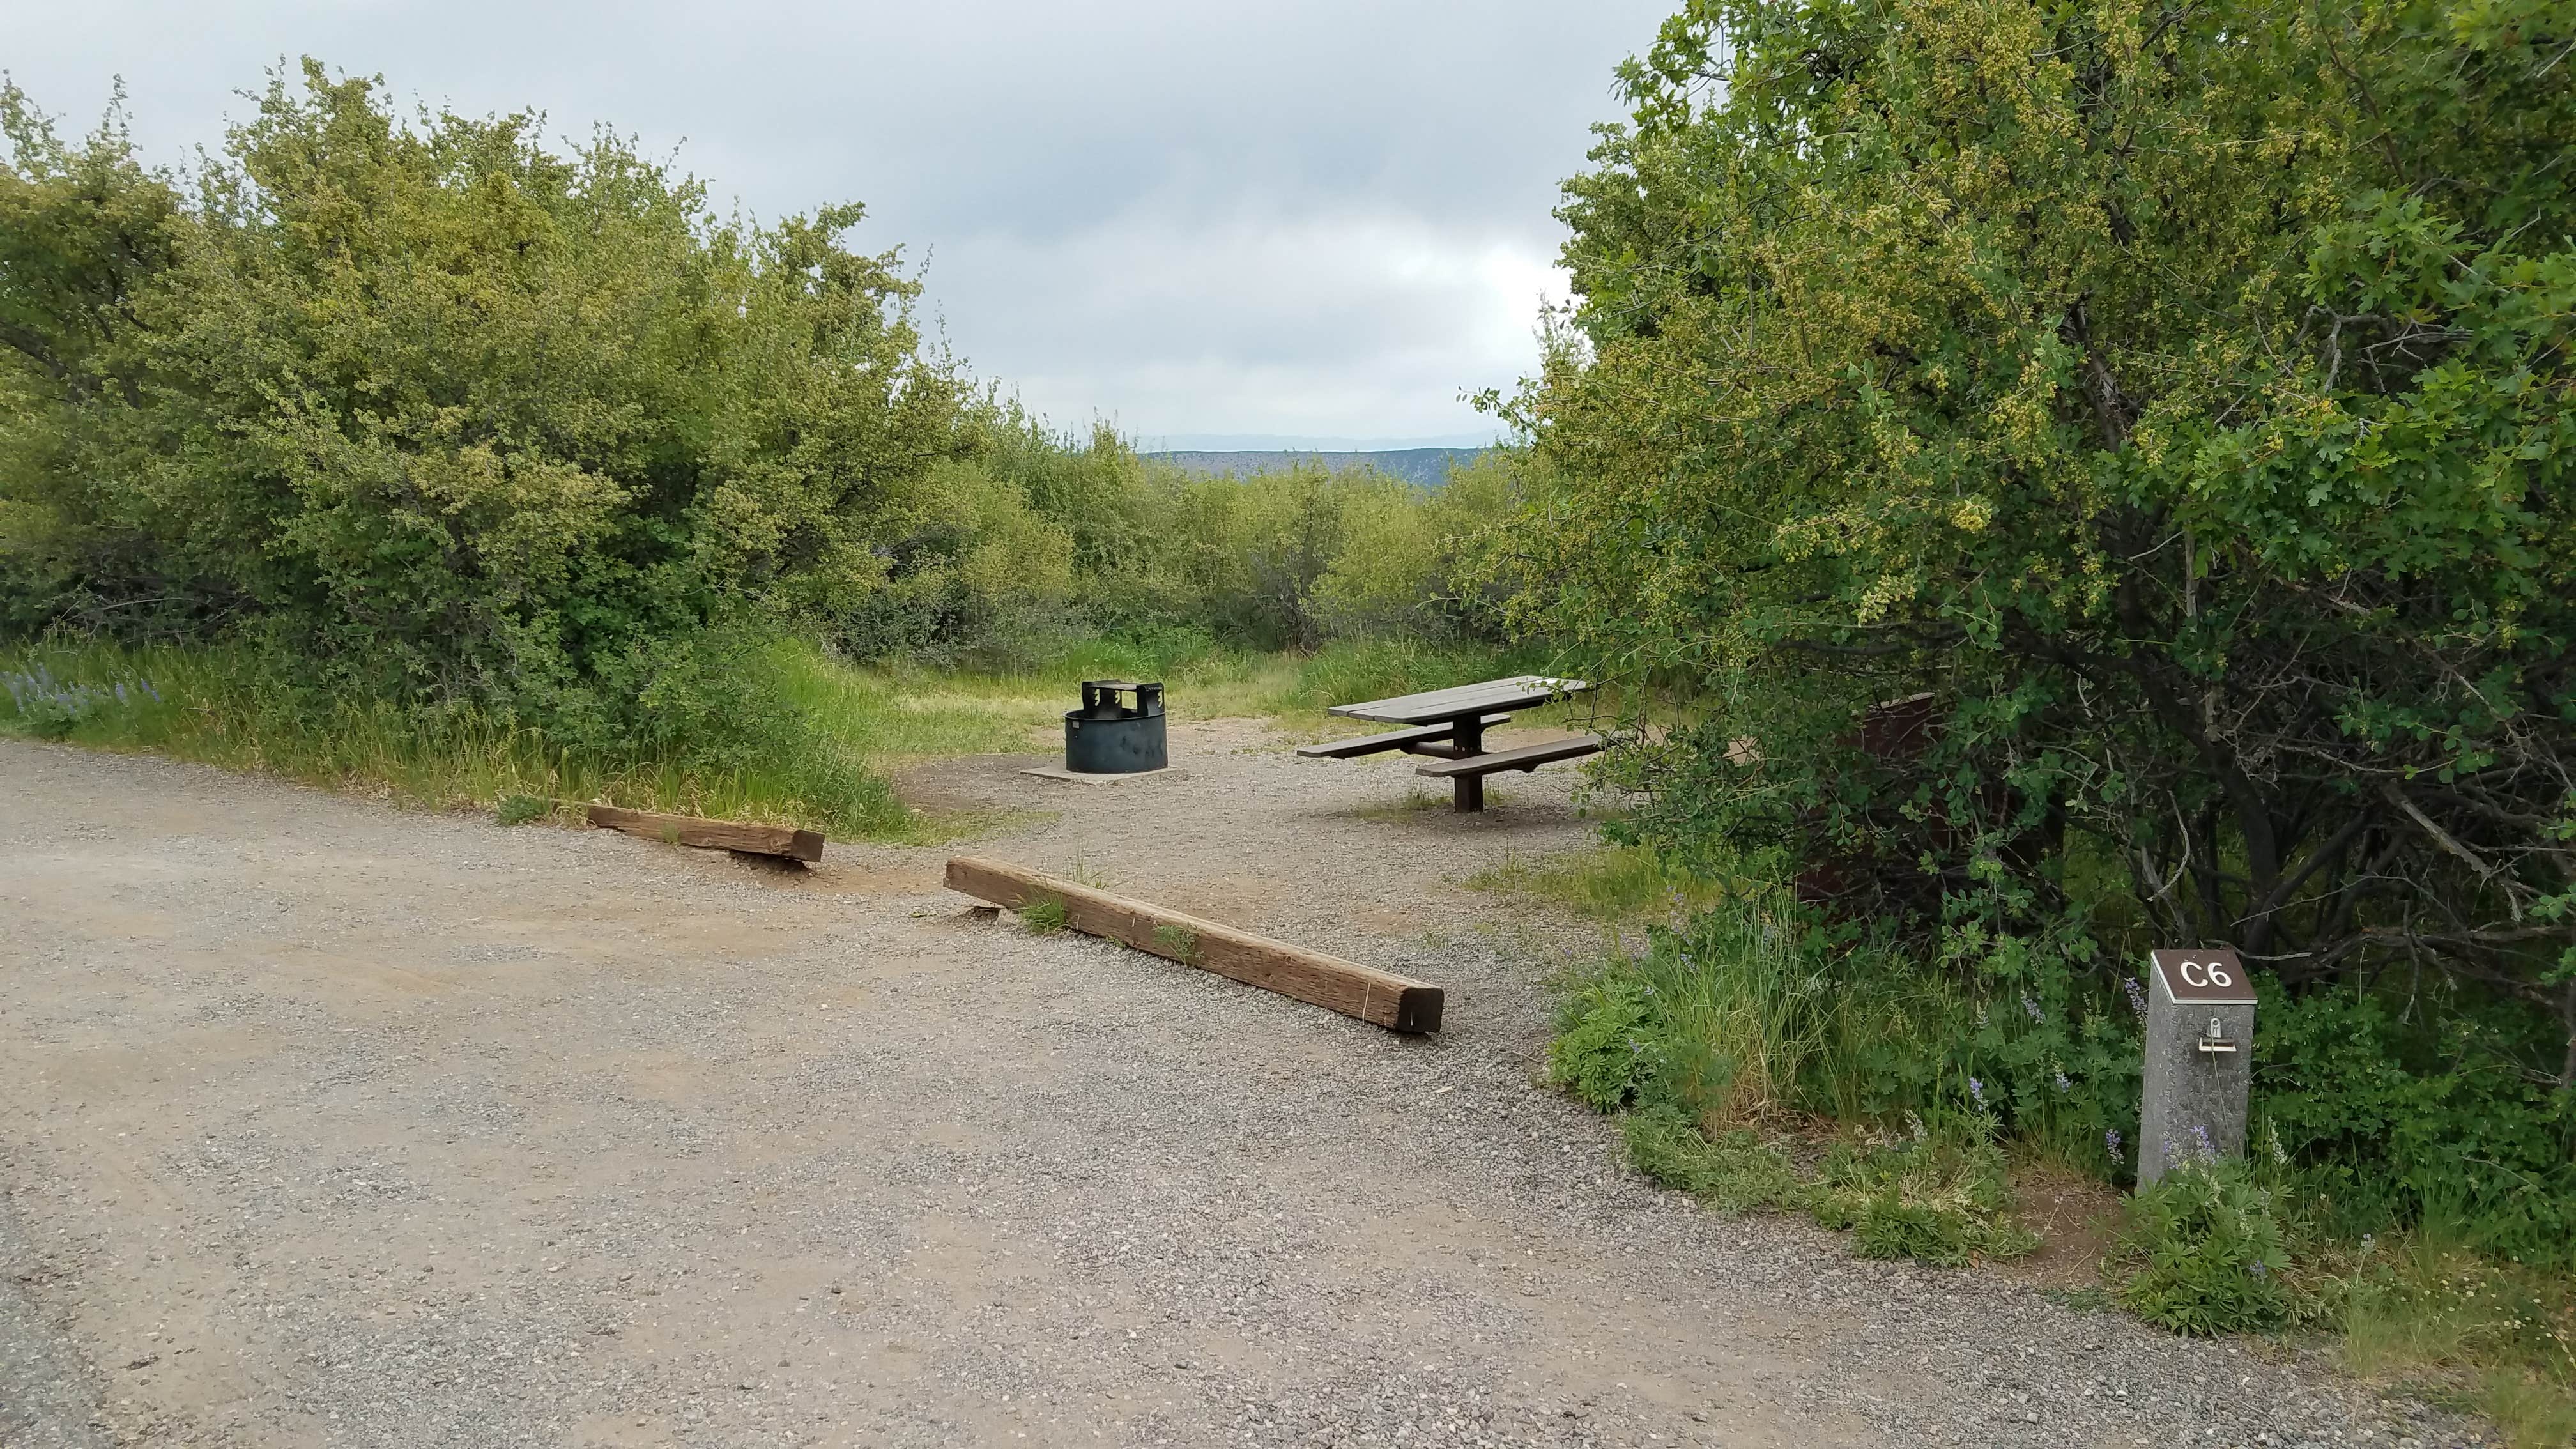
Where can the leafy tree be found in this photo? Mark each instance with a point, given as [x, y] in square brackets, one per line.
[2176, 394]
[453, 415]
[83, 232]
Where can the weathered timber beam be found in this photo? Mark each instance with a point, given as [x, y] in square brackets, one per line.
[805, 845]
[1395, 1002]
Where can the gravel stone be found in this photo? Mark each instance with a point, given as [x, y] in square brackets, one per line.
[332, 1123]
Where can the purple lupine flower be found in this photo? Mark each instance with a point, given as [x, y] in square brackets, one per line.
[2111, 1139]
[120, 691]
[1977, 1090]
[2200, 1139]
[2031, 1006]
[148, 689]
[2259, 1269]
[2137, 997]
[2064, 1085]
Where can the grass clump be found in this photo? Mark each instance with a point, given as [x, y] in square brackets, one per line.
[520, 809]
[1609, 883]
[1733, 1170]
[1709, 1037]
[1044, 916]
[1943, 1199]
[2431, 1310]
[1946, 1201]
[1742, 1017]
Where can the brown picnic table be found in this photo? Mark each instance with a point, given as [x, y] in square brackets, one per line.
[1449, 725]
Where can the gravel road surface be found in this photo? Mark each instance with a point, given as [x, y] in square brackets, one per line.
[328, 1123]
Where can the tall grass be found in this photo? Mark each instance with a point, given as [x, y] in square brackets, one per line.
[1755, 1023]
[2495, 1336]
[1614, 885]
[236, 707]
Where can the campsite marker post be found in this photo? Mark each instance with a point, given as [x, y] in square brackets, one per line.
[2200, 1060]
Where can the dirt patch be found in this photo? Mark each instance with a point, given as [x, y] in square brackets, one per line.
[2077, 1218]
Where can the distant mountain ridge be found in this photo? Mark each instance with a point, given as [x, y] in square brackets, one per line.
[1421, 467]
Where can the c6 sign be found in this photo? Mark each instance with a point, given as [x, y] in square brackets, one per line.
[2203, 978]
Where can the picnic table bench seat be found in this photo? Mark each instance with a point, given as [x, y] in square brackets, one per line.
[1527, 757]
[1467, 776]
[1412, 740]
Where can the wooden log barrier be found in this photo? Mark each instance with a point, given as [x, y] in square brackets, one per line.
[805, 845]
[1383, 998]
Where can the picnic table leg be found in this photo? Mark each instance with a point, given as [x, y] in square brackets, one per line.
[1467, 792]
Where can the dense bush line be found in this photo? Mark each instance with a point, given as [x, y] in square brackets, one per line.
[2172, 401]
[457, 419]
[1001, 556]
[447, 422]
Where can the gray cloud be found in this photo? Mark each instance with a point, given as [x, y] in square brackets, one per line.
[1316, 218]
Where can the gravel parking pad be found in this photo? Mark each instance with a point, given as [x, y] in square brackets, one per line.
[331, 1123]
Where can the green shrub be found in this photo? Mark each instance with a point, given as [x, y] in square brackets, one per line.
[520, 809]
[2173, 400]
[2401, 1109]
[51, 708]
[464, 427]
[449, 417]
[1115, 544]
[1750, 1013]
[1609, 1044]
[2208, 1253]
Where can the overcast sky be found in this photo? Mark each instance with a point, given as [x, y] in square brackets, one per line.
[1318, 220]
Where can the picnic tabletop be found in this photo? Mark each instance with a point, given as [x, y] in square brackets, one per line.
[1464, 701]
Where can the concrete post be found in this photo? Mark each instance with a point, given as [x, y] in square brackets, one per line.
[2200, 1060]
